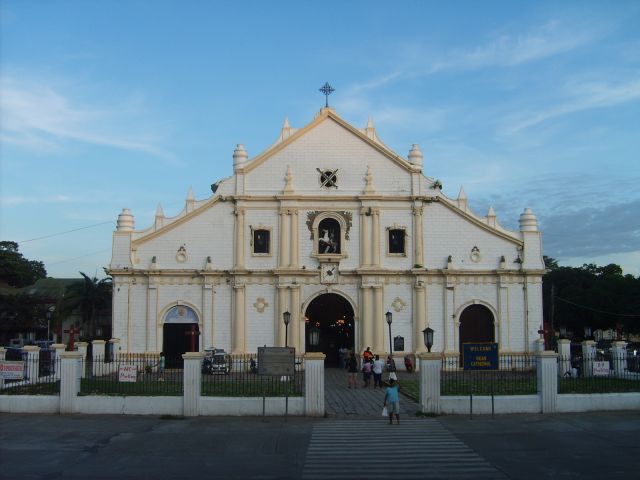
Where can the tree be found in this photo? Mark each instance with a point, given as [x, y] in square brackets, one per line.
[88, 297]
[17, 271]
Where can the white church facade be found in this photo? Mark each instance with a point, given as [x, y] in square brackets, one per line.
[333, 227]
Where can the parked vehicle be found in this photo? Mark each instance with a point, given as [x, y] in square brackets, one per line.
[216, 362]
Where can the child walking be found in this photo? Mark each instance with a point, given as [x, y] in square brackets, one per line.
[392, 401]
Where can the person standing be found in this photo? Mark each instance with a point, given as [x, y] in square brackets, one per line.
[378, 366]
[367, 355]
[366, 374]
[352, 369]
[392, 401]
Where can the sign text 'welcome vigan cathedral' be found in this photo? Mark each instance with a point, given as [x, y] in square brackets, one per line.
[333, 227]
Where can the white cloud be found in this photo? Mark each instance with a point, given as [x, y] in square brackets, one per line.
[38, 116]
[584, 96]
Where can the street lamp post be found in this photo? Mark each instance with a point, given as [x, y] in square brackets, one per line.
[389, 316]
[428, 338]
[286, 316]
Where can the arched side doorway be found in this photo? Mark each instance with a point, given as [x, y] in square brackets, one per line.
[179, 334]
[476, 325]
[329, 326]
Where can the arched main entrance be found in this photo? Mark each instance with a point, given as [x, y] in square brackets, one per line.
[329, 325]
[476, 325]
[179, 334]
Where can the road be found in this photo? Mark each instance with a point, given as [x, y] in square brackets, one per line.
[585, 446]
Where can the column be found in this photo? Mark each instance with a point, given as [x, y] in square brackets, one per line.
[69, 380]
[115, 348]
[588, 357]
[503, 314]
[238, 319]
[98, 357]
[314, 384]
[619, 358]
[418, 253]
[192, 381]
[284, 239]
[3, 353]
[208, 331]
[239, 248]
[564, 352]
[379, 322]
[419, 317]
[365, 238]
[365, 321]
[294, 338]
[33, 363]
[283, 305]
[82, 350]
[375, 236]
[293, 260]
[547, 372]
[430, 368]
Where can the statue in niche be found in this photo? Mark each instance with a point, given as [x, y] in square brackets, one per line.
[329, 236]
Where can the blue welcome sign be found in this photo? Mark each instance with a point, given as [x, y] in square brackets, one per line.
[480, 356]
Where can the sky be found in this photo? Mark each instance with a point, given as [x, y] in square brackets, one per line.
[113, 104]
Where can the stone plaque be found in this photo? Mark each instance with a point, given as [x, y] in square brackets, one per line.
[278, 361]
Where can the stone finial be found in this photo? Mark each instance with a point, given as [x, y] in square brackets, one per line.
[288, 181]
[191, 201]
[503, 263]
[154, 263]
[159, 216]
[528, 221]
[240, 156]
[126, 222]
[463, 203]
[208, 266]
[450, 264]
[491, 217]
[415, 155]
[370, 131]
[286, 130]
[369, 188]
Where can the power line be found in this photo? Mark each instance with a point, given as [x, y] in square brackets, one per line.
[596, 310]
[68, 231]
[76, 258]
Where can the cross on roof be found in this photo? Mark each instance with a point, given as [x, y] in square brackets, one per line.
[327, 90]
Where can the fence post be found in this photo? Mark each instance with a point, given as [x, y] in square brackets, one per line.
[588, 356]
[33, 362]
[192, 381]
[314, 384]
[3, 353]
[619, 358]
[69, 380]
[97, 352]
[430, 371]
[58, 348]
[547, 373]
[564, 350]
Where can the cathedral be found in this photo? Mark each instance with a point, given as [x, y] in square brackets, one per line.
[352, 244]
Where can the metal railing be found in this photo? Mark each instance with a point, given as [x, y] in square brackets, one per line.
[130, 374]
[33, 376]
[516, 376]
[237, 376]
[598, 373]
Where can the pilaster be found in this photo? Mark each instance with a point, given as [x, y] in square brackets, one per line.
[69, 380]
[619, 358]
[283, 306]
[295, 317]
[378, 319]
[564, 352]
[430, 365]
[239, 237]
[192, 382]
[33, 362]
[547, 372]
[314, 384]
[294, 253]
[366, 335]
[419, 318]
[365, 238]
[81, 348]
[98, 357]
[238, 331]
[588, 357]
[375, 236]
[284, 239]
[418, 249]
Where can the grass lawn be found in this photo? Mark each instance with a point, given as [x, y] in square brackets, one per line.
[598, 385]
[48, 388]
[251, 386]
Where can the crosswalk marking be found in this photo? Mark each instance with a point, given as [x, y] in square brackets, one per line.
[372, 449]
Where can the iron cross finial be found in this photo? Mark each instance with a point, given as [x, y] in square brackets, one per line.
[327, 90]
